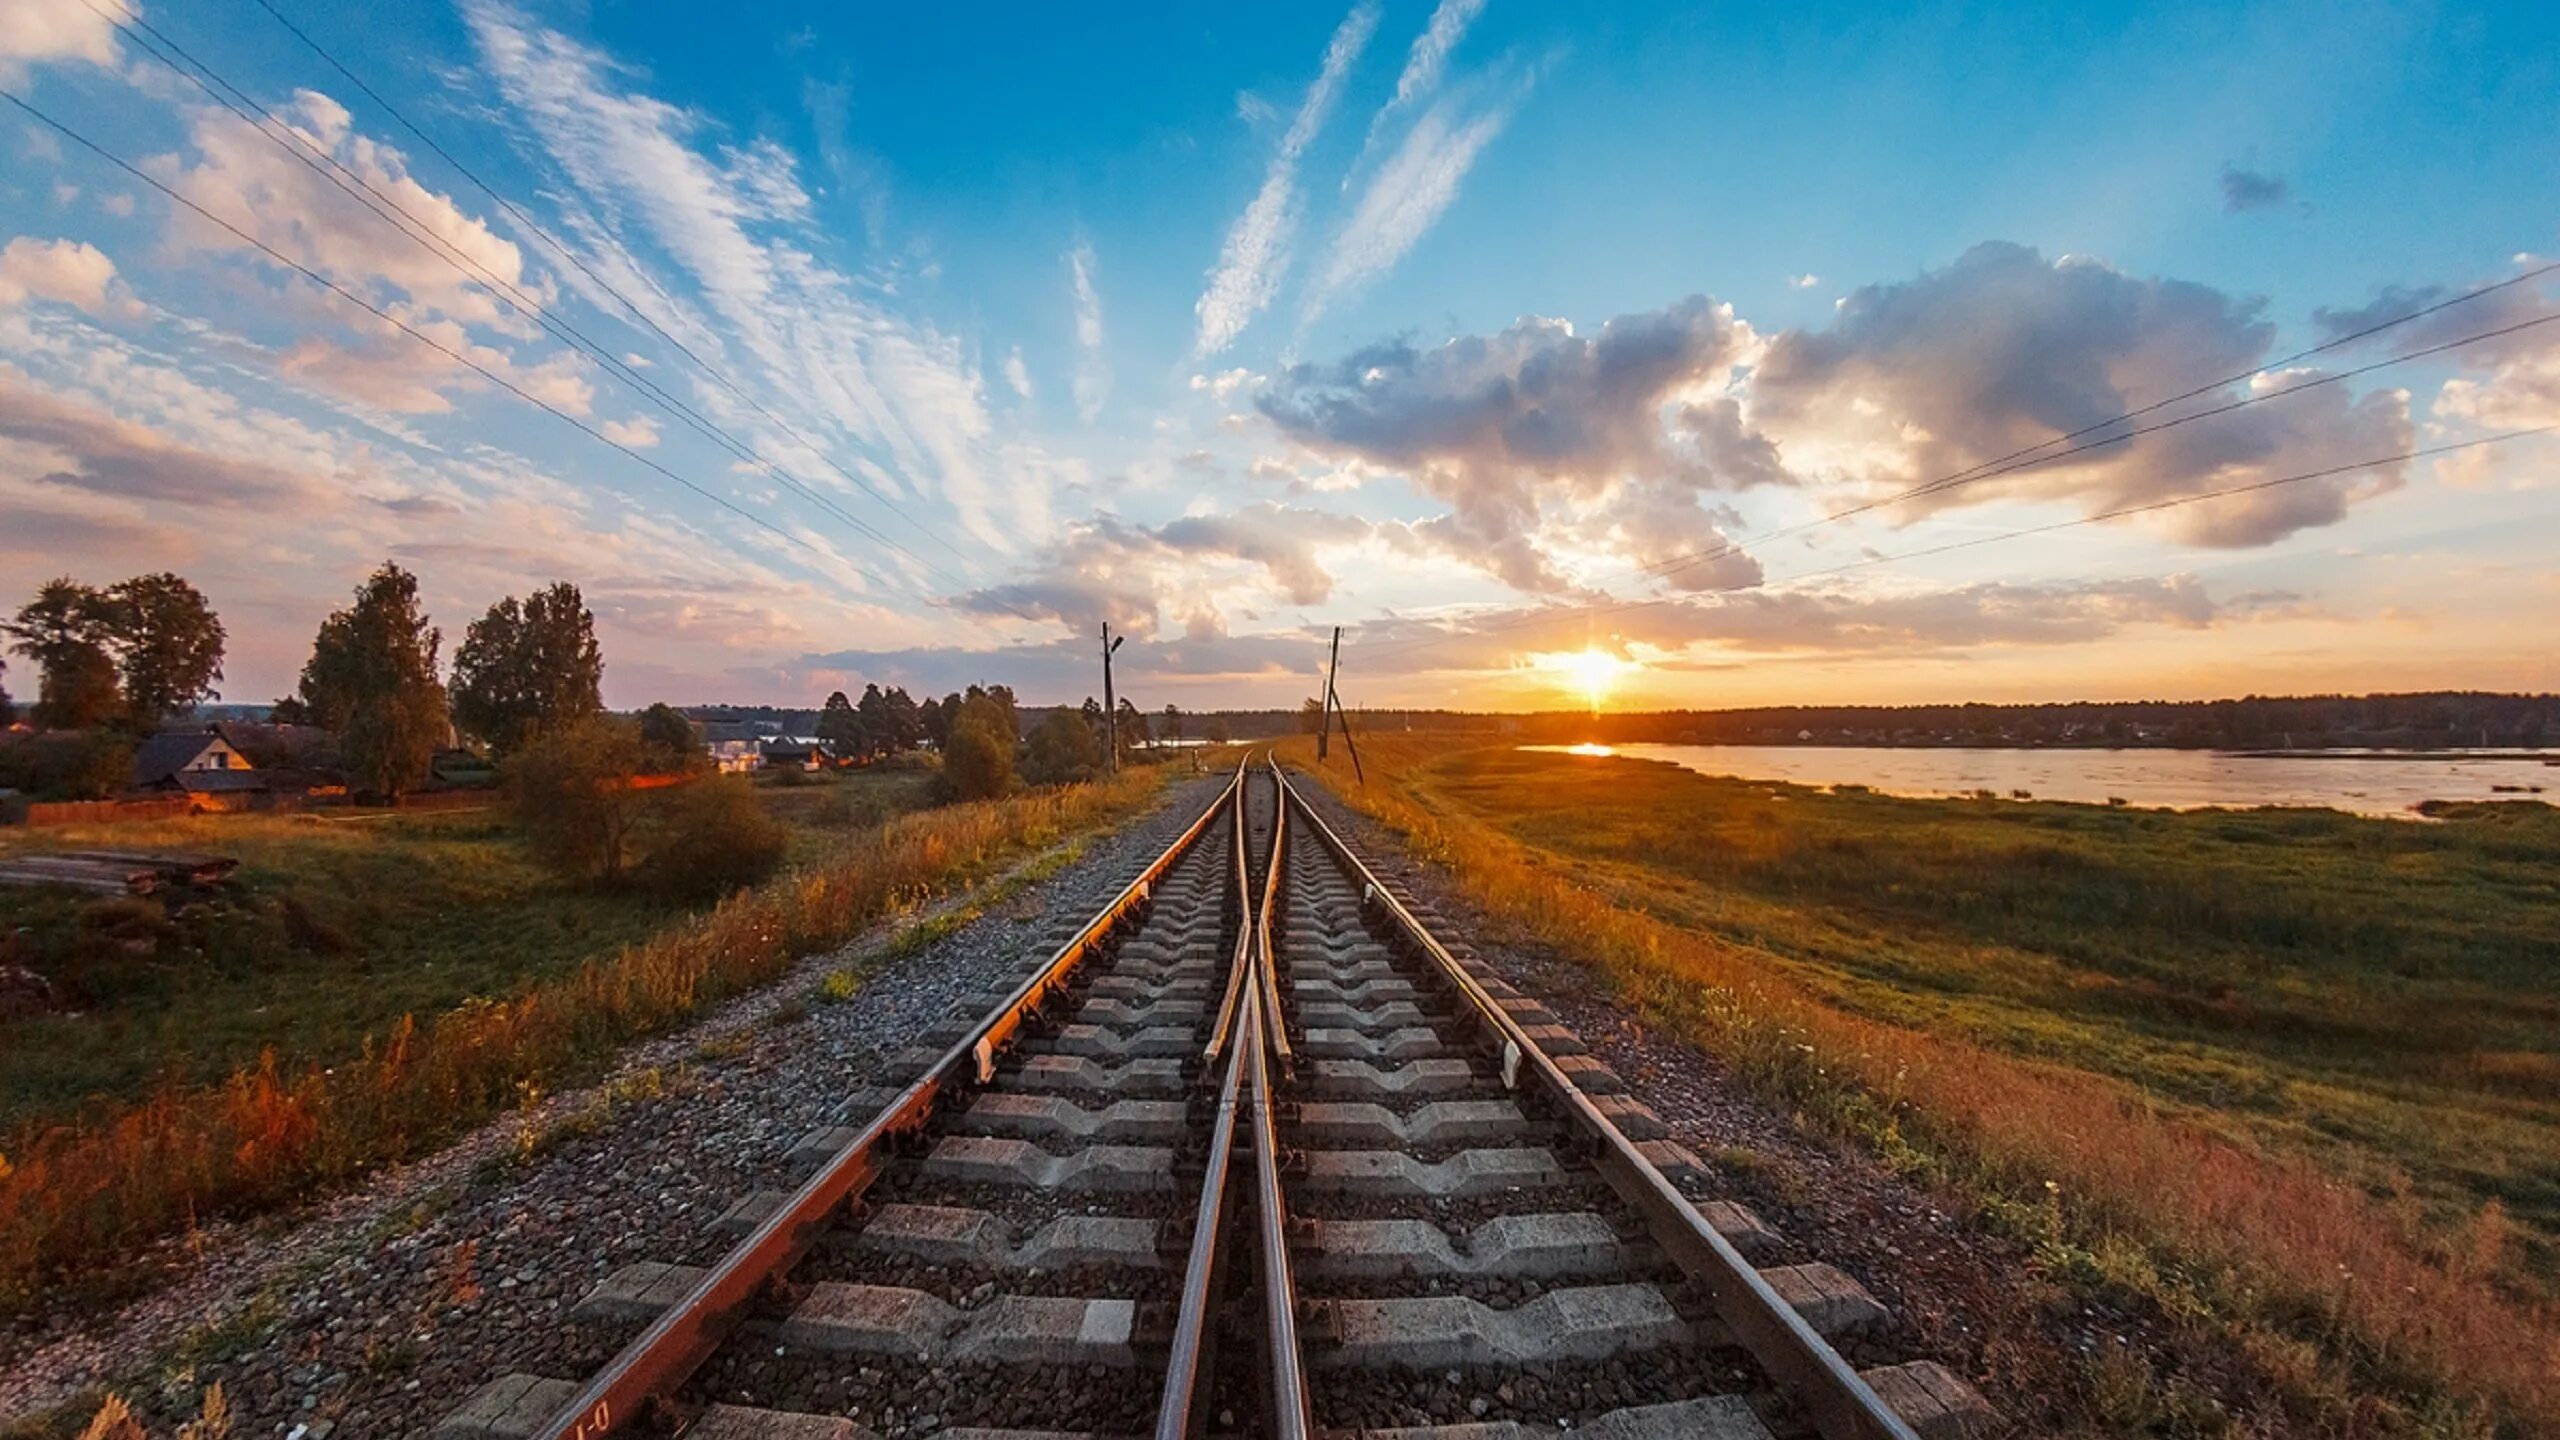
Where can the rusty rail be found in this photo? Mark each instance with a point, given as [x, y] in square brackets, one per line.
[648, 1370]
[1185, 1399]
[1839, 1401]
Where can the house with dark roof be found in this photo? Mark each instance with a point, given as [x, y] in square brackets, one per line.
[182, 752]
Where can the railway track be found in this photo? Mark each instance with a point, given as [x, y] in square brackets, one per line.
[1255, 1152]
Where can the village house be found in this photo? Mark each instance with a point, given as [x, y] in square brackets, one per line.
[200, 765]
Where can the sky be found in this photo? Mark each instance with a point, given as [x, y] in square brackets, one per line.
[1637, 354]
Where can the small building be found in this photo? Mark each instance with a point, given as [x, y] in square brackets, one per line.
[735, 748]
[184, 752]
[797, 752]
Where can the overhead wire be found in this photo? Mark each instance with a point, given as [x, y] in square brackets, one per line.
[1567, 615]
[569, 255]
[2012, 463]
[458, 357]
[389, 209]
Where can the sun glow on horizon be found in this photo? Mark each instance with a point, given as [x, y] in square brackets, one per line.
[1589, 672]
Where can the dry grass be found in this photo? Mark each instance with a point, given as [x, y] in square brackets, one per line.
[2371, 1326]
[76, 1199]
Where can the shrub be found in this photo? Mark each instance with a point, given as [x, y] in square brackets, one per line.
[570, 790]
[977, 763]
[1062, 750]
[68, 765]
[709, 838]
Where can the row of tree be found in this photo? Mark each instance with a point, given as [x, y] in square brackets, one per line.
[132, 654]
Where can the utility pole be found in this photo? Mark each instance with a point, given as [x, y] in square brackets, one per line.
[1110, 702]
[1324, 712]
[1333, 711]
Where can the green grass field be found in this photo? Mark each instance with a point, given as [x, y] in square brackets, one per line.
[2383, 995]
[338, 926]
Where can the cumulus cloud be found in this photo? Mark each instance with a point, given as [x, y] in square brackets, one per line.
[34, 32]
[1256, 252]
[68, 272]
[2513, 379]
[2251, 190]
[1093, 372]
[639, 432]
[1539, 423]
[2002, 350]
[1017, 375]
[243, 175]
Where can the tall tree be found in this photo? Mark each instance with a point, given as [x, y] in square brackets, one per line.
[934, 721]
[906, 721]
[527, 667]
[879, 727]
[668, 744]
[1133, 726]
[372, 679]
[840, 725]
[67, 630]
[169, 645]
[978, 764]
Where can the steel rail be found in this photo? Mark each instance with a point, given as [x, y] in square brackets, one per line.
[1238, 972]
[1292, 1412]
[1184, 1402]
[1839, 1401]
[662, 1357]
[1275, 1022]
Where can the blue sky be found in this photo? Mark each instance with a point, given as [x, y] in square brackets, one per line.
[1457, 324]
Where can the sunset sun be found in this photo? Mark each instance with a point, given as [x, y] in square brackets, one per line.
[1590, 673]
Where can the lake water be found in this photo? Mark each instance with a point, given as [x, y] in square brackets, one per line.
[2165, 779]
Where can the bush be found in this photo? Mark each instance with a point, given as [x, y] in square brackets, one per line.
[977, 761]
[571, 792]
[709, 838]
[68, 765]
[1062, 750]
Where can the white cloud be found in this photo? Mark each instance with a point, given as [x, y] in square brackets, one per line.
[39, 31]
[1093, 373]
[1408, 195]
[1256, 252]
[70, 272]
[1424, 64]
[1805, 281]
[1016, 373]
[639, 432]
[734, 223]
[251, 181]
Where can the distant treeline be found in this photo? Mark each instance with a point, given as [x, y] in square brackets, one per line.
[2436, 719]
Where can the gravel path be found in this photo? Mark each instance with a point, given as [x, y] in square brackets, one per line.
[1971, 1300]
[383, 1310]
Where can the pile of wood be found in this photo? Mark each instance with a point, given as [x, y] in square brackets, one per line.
[115, 872]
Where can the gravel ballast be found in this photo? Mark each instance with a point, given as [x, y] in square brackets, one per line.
[381, 1310]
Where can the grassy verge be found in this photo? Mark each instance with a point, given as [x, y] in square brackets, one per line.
[76, 1198]
[2076, 981]
[331, 931]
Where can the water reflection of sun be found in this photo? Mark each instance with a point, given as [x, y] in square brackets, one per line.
[1591, 673]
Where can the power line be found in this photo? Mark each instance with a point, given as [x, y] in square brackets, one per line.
[393, 213]
[1995, 465]
[1971, 542]
[333, 287]
[574, 259]
[1987, 470]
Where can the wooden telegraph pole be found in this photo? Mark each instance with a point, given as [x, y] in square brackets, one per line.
[1333, 711]
[1110, 702]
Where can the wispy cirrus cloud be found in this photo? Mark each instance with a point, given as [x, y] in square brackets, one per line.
[1093, 372]
[1410, 192]
[1424, 65]
[733, 220]
[1256, 252]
